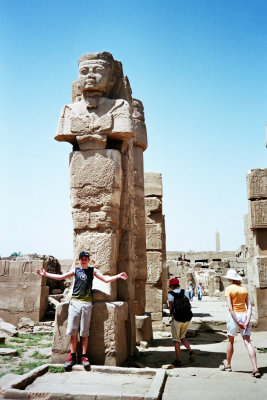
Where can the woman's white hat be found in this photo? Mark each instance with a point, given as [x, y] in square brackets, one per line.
[233, 275]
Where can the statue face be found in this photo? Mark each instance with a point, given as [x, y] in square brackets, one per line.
[94, 76]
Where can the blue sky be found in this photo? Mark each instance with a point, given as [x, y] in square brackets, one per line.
[200, 69]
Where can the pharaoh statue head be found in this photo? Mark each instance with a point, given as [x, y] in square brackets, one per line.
[99, 75]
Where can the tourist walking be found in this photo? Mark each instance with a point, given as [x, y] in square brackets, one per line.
[200, 291]
[238, 319]
[190, 289]
[181, 314]
[80, 308]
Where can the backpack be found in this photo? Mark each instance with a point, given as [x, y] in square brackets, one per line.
[181, 307]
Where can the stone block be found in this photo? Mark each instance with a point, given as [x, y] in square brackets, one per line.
[260, 280]
[261, 301]
[108, 336]
[103, 247]
[154, 266]
[143, 328]
[258, 211]
[153, 204]
[153, 184]
[154, 237]
[260, 242]
[138, 165]
[140, 296]
[257, 184]
[153, 299]
[18, 299]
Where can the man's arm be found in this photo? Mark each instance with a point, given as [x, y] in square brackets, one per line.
[106, 279]
[170, 307]
[57, 277]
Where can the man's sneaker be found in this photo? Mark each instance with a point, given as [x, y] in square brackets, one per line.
[192, 356]
[69, 364]
[177, 363]
[86, 363]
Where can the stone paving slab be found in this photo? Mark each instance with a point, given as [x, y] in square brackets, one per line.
[109, 383]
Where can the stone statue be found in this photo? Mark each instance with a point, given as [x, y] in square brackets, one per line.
[100, 110]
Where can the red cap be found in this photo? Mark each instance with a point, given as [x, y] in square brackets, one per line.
[174, 281]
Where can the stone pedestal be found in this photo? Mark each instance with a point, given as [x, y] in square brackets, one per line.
[107, 341]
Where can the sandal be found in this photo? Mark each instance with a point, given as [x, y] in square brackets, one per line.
[256, 374]
[225, 367]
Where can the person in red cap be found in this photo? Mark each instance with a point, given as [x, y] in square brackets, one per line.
[180, 311]
[80, 308]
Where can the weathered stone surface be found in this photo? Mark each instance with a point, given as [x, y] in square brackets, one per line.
[258, 210]
[257, 184]
[26, 323]
[108, 335]
[8, 352]
[103, 248]
[153, 299]
[153, 204]
[154, 266]
[261, 268]
[17, 278]
[7, 328]
[153, 184]
[143, 328]
[154, 237]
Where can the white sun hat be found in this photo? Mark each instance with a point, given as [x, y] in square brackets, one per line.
[233, 275]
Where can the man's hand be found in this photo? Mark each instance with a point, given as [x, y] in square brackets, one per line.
[41, 272]
[123, 276]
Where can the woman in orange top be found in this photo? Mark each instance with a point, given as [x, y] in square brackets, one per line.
[239, 316]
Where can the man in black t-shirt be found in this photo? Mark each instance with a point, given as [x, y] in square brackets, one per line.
[80, 308]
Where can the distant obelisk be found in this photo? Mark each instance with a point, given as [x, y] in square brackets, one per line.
[218, 246]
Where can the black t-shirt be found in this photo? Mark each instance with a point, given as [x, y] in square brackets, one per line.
[82, 289]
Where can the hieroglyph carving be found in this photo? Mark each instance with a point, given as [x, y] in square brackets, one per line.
[262, 271]
[258, 214]
[257, 183]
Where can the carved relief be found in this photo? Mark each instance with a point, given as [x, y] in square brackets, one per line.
[262, 271]
[258, 214]
[257, 184]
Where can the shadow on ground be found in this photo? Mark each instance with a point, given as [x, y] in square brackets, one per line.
[155, 359]
[199, 338]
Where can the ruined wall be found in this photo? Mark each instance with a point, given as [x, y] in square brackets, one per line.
[155, 247]
[256, 236]
[23, 292]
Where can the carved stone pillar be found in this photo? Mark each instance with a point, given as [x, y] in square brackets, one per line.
[256, 235]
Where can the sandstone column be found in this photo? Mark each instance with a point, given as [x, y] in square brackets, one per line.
[256, 235]
[155, 247]
[143, 322]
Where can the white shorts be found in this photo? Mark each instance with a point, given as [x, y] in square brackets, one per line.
[233, 328]
[79, 318]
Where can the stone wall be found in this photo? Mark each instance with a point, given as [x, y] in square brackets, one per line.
[23, 292]
[155, 248]
[256, 236]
